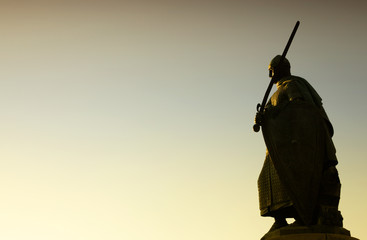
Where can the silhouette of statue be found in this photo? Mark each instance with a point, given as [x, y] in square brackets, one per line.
[298, 179]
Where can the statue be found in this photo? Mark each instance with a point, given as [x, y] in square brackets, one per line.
[299, 178]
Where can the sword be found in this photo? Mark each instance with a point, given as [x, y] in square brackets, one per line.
[260, 108]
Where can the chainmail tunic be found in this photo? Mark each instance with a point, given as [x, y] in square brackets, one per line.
[272, 194]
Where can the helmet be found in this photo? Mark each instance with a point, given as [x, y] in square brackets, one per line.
[280, 70]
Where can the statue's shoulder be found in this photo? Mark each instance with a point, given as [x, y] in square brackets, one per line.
[290, 81]
[294, 82]
[299, 80]
[295, 79]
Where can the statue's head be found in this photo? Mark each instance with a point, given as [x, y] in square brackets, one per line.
[279, 70]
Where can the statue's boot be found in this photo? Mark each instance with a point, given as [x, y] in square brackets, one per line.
[279, 223]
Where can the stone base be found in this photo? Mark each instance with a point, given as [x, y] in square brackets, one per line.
[317, 232]
[313, 236]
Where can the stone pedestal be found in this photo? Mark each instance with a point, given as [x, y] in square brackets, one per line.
[313, 236]
[317, 232]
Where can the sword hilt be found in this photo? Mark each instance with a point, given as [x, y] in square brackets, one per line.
[256, 127]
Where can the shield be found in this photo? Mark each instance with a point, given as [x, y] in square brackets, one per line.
[295, 139]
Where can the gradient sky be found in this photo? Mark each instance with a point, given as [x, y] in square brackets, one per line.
[133, 119]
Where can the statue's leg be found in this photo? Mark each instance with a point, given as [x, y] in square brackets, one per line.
[279, 223]
[280, 217]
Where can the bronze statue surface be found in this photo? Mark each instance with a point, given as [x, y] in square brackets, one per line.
[298, 179]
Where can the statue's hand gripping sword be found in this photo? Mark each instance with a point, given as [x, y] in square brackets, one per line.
[260, 108]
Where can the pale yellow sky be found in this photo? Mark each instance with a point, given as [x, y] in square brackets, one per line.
[133, 121]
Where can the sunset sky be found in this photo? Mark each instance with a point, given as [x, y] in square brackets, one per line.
[132, 120]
